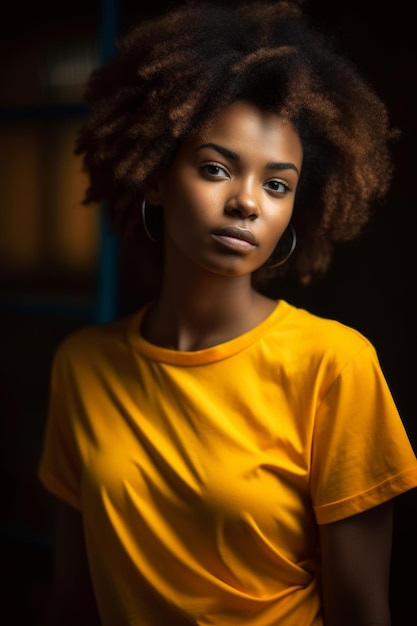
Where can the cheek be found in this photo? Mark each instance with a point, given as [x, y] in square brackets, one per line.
[179, 218]
[183, 221]
[191, 209]
[279, 221]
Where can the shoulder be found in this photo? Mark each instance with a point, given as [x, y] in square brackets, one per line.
[321, 327]
[95, 343]
[93, 336]
[325, 338]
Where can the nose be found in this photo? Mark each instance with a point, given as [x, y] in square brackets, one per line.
[242, 201]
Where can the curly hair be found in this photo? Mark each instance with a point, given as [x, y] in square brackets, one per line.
[174, 74]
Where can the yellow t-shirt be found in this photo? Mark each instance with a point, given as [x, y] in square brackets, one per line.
[202, 476]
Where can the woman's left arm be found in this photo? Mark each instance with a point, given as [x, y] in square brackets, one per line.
[356, 557]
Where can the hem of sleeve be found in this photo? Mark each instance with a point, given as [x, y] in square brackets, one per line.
[58, 489]
[360, 502]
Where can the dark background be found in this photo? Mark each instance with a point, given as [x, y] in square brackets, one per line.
[371, 285]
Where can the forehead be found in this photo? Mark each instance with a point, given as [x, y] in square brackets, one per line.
[247, 129]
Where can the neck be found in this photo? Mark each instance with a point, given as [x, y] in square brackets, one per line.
[197, 309]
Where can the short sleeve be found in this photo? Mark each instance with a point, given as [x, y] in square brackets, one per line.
[361, 454]
[59, 468]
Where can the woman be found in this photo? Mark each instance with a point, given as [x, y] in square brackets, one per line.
[221, 457]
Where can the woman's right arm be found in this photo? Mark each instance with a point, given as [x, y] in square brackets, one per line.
[71, 598]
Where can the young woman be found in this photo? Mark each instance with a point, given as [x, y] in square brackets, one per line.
[220, 457]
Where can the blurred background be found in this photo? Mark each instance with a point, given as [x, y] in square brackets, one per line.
[60, 268]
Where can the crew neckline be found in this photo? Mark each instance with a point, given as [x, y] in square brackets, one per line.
[206, 355]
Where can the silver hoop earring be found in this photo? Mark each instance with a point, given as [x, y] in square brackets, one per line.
[145, 225]
[290, 250]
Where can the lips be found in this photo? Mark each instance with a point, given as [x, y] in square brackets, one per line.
[234, 232]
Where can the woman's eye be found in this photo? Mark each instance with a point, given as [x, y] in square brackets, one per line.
[278, 186]
[213, 169]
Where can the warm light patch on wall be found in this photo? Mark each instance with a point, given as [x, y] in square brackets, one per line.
[76, 228]
[44, 227]
[20, 198]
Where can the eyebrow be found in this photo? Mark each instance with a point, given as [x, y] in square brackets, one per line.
[230, 154]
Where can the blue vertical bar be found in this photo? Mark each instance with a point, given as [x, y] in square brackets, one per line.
[108, 276]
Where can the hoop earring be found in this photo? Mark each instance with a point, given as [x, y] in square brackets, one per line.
[145, 225]
[290, 251]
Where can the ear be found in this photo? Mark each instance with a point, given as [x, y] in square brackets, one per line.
[155, 189]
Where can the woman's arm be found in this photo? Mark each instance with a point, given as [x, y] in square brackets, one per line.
[72, 598]
[356, 556]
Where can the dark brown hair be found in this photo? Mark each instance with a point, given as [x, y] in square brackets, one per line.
[175, 73]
